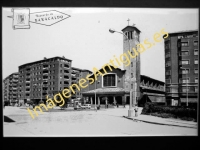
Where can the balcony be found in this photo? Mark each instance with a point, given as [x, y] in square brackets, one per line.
[28, 69]
[15, 80]
[45, 83]
[74, 80]
[66, 79]
[66, 66]
[14, 85]
[28, 77]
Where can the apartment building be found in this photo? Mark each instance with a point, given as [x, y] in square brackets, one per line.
[181, 67]
[46, 77]
[10, 84]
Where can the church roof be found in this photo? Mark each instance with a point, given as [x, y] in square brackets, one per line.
[131, 27]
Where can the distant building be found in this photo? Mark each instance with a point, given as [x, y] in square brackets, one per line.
[10, 84]
[47, 77]
[181, 67]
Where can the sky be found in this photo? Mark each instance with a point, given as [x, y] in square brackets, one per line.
[85, 38]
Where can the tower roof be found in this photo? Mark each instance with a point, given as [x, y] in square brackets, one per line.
[131, 27]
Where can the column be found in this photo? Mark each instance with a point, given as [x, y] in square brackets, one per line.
[98, 100]
[91, 101]
[114, 101]
[123, 100]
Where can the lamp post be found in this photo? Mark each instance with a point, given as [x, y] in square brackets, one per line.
[130, 111]
[186, 83]
[95, 95]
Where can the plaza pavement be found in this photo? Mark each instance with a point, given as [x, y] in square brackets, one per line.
[103, 122]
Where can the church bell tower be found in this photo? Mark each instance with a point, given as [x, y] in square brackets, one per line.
[132, 75]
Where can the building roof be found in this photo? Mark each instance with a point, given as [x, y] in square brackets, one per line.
[107, 67]
[151, 78]
[184, 31]
[109, 90]
[133, 27]
[15, 73]
[44, 60]
[76, 68]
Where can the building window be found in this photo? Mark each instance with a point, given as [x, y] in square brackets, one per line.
[196, 52]
[196, 61]
[129, 35]
[195, 43]
[184, 43]
[196, 80]
[168, 63]
[167, 45]
[168, 89]
[60, 71]
[109, 80]
[184, 71]
[185, 89]
[184, 53]
[60, 65]
[131, 75]
[131, 64]
[168, 81]
[196, 71]
[167, 55]
[168, 72]
[184, 62]
[196, 89]
[185, 80]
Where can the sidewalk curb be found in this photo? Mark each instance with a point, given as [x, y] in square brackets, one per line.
[159, 123]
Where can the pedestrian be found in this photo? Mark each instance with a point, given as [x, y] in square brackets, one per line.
[136, 111]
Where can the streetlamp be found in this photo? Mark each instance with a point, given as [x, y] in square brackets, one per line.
[130, 111]
[186, 82]
[95, 95]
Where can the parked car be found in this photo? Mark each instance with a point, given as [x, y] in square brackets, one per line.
[78, 107]
[83, 106]
[87, 106]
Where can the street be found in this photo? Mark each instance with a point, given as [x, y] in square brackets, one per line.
[104, 122]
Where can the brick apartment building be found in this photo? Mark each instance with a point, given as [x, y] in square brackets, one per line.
[10, 84]
[181, 68]
[47, 77]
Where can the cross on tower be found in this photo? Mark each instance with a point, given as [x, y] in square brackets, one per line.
[128, 21]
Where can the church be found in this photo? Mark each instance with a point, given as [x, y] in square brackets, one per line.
[117, 85]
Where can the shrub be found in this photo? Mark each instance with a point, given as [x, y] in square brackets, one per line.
[170, 111]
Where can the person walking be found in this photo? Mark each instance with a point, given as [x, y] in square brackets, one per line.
[136, 111]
